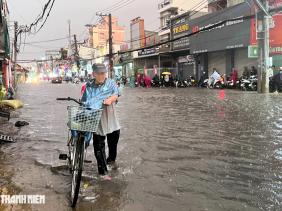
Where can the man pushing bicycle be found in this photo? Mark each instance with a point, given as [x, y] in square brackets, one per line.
[103, 92]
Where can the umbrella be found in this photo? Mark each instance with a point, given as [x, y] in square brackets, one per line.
[166, 73]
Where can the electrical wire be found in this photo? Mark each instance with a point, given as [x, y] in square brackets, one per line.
[47, 41]
[129, 41]
[28, 29]
[122, 6]
[117, 6]
[171, 40]
[41, 17]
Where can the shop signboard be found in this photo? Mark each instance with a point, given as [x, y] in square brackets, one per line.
[146, 52]
[189, 59]
[234, 33]
[180, 27]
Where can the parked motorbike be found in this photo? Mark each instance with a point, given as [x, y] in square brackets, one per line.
[155, 83]
[181, 83]
[219, 84]
[76, 80]
[204, 84]
[191, 82]
[249, 84]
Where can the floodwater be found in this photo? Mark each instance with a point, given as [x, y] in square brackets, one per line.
[180, 149]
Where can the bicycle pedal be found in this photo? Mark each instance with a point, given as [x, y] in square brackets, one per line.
[63, 156]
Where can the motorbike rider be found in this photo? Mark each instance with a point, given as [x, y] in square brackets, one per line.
[215, 76]
[234, 76]
[246, 73]
[254, 70]
[98, 92]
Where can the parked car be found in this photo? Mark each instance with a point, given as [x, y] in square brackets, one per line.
[57, 80]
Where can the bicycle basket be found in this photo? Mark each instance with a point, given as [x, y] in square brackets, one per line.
[84, 119]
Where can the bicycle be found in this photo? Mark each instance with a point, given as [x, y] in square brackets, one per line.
[82, 120]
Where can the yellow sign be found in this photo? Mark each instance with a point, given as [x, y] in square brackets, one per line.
[182, 28]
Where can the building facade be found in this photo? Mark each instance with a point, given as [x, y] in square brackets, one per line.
[99, 37]
[137, 33]
[171, 8]
[99, 34]
[140, 38]
[223, 47]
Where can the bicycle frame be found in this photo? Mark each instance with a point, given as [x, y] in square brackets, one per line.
[76, 145]
[76, 148]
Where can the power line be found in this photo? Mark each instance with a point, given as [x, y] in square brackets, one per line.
[97, 20]
[112, 6]
[117, 6]
[121, 4]
[168, 41]
[41, 47]
[46, 41]
[28, 29]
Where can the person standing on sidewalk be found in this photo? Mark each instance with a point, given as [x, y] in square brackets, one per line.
[103, 92]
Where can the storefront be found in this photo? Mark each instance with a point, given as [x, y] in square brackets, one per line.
[226, 46]
[152, 60]
[126, 61]
[185, 67]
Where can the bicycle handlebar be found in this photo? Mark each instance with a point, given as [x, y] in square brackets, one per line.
[69, 99]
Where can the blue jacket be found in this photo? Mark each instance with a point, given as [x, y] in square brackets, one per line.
[94, 95]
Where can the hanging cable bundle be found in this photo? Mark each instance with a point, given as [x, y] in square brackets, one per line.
[33, 27]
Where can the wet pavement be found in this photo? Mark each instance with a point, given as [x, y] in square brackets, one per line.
[180, 149]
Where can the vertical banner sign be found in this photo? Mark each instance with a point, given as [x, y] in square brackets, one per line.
[275, 33]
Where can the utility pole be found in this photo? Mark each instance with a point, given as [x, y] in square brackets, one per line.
[111, 62]
[69, 51]
[52, 63]
[263, 26]
[76, 54]
[15, 53]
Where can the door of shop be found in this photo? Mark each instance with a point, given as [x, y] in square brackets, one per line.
[185, 70]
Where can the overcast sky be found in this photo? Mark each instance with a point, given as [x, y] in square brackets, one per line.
[80, 13]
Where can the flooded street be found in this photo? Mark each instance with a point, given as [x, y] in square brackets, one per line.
[180, 149]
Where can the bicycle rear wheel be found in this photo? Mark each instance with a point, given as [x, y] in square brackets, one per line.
[77, 166]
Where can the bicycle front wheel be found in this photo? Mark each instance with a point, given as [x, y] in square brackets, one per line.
[77, 166]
